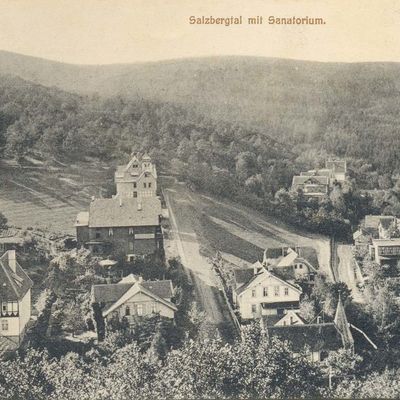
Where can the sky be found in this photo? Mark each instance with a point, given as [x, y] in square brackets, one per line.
[125, 31]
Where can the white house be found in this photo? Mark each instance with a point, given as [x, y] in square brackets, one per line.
[259, 292]
[137, 179]
[15, 297]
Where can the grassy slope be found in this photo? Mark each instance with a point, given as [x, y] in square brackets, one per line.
[48, 198]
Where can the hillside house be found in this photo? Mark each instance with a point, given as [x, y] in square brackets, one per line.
[338, 168]
[137, 179]
[15, 297]
[122, 225]
[312, 186]
[317, 183]
[258, 292]
[10, 240]
[133, 297]
[292, 263]
[375, 227]
[317, 338]
[385, 251]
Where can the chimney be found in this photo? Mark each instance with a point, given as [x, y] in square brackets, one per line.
[12, 262]
[140, 279]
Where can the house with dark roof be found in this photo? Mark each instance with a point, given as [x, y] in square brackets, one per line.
[292, 263]
[311, 185]
[137, 179]
[10, 239]
[385, 251]
[133, 297]
[15, 298]
[318, 338]
[125, 226]
[317, 183]
[375, 227]
[258, 292]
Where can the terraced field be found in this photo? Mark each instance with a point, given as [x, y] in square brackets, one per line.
[49, 197]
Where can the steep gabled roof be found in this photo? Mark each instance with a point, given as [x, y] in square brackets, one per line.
[267, 274]
[13, 286]
[343, 325]
[113, 295]
[312, 179]
[132, 291]
[316, 337]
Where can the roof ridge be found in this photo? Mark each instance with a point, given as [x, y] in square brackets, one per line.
[8, 275]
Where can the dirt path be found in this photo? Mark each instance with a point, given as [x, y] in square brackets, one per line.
[345, 271]
[183, 218]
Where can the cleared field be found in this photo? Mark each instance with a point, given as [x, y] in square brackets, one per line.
[48, 198]
[237, 231]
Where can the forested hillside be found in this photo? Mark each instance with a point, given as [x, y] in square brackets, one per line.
[51, 123]
[350, 110]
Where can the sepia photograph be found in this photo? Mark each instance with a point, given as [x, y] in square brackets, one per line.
[199, 199]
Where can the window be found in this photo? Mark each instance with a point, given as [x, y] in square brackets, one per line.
[153, 307]
[286, 291]
[291, 320]
[265, 292]
[135, 194]
[253, 308]
[139, 309]
[4, 325]
[131, 246]
[149, 185]
[295, 266]
[127, 310]
[130, 231]
[135, 185]
[9, 308]
[301, 266]
[134, 165]
[98, 234]
[144, 185]
[276, 290]
[253, 293]
[110, 232]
